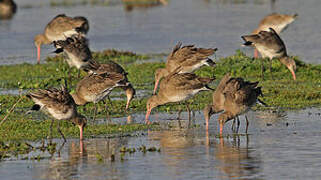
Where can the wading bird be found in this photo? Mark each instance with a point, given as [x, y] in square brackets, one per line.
[177, 87]
[218, 104]
[60, 105]
[59, 28]
[270, 45]
[113, 67]
[77, 53]
[278, 22]
[94, 88]
[188, 58]
[239, 96]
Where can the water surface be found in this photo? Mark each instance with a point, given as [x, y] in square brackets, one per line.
[208, 23]
[280, 145]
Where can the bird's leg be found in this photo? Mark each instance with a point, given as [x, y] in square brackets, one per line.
[194, 118]
[256, 53]
[110, 102]
[95, 111]
[262, 69]
[78, 75]
[271, 68]
[247, 124]
[50, 130]
[62, 135]
[107, 112]
[179, 112]
[233, 125]
[238, 124]
[69, 73]
[179, 115]
[189, 114]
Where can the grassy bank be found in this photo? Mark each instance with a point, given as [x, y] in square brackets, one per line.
[280, 92]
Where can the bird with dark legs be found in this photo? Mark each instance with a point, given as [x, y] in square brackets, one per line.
[95, 88]
[60, 105]
[177, 87]
[239, 97]
[270, 45]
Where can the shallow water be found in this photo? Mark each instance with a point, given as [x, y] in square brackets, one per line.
[209, 23]
[280, 145]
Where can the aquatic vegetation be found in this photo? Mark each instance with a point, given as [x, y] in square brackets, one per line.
[280, 92]
[20, 126]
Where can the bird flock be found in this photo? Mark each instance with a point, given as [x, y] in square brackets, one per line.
[174, 83]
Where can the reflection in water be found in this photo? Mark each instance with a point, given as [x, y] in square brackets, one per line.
[235, 158]
[70, 165]
[130, 5]
[129, 119]
[61, 168]
[270, 117]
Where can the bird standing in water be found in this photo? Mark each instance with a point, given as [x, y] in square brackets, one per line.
[239, 97]
[177, 87]
[60, 105]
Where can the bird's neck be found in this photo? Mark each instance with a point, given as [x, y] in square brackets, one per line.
[43, 39]
[285, 60]
[158, 100]
[162, 72]
[78, 100]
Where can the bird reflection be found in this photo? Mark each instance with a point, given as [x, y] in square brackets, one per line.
[130, 5]
[61, 168]
[270, 117]
[80, 155]
[235, 157]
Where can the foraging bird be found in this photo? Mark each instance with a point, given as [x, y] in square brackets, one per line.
[239, 96]
[113, 67]
[177, 87]
[60, 105]
[7, 9]
[218, 101]
[189, 58]
[278, 22]
[77, 52]
[60, 28]
[270, 45]
[94, 88]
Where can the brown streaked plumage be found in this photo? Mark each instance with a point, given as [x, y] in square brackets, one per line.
[77, 52]
[59, 28]
[177, 87]
[113, 67]
[189, 58]
[7, 9]
[239, 96]
[278, 22]
[94, 88]
[60, 105]
[270, 45]
[218, 101]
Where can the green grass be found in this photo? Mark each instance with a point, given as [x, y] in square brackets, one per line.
[23, 127]
[280, 92]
